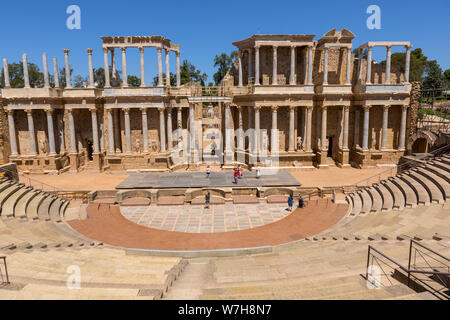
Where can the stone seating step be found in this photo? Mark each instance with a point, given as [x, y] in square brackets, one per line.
[388, 201]
[170, 201]
[55, 210]
[32, 207]
[438, 171]
[366, 201]
[377, 201]
[434, 192]
[357, 204]
[6, 193]
[408, 192]
[44, 207]
[22, 203]
[442, 184]
[10, 203]
[440, 164]
[423, 198]
[444, 160]
[245, 199]
[136, 201]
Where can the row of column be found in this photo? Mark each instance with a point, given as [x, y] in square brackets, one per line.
[388, 64]
[292, 79]
[325, 65]
[142, 64]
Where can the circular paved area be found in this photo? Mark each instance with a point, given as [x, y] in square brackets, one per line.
[198, 219]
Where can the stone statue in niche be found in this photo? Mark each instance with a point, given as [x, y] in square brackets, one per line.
[299, 143]
[138, 146]
[154, 146]
[327, 144]
[374, 143]
[43, 146]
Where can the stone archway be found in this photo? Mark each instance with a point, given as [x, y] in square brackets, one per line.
[421, 141]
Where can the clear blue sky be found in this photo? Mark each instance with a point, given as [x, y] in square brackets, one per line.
[206, 28]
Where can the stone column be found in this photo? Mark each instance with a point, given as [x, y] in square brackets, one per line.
[401, 144]
[105, 59]
[169, 129]
[31, 132]
[250, 122]
[66, 60]
[308, 128]
[275, 65]
[291, 128]
[101, 132]
[45, 64]
[323, 136]
[357, 117]
[407, 63]
[95, 130]
[167, 68]
[144, 128]
[256, 65]
[178, 69]
[6, 73]
[388, 64]
[91, 69]
[160, 77]
[113, 64]
[359, 66]
[303, 125]
[191, 129]
[325, 65]
[345, 134]
[240, 68]
[257, 131]
[365, 143]
[12, 133]
[384, 127]
[227, 129]
[73, 142]
[51, 132]
[141, 53]
[241, 129]
[250, 64]
[109, 114]
[60, 128]
[117, 136]
[179, 118]
[310, 65]
[274, 146]
[124, 67]
[26, 77]
[349, 66]
[126, 115]
[55, 72]
[369, 65]
[162, 130]
[292, 72]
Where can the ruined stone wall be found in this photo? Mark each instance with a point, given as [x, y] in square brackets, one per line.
[413, 114]
[5, 148]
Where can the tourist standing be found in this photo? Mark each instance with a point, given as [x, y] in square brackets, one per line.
[208, 171]
[290, 202]
[207, 199]
[301, 202]
[241, 172]
[236, 176]
[258, 172]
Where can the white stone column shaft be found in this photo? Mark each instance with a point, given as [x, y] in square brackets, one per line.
[162, 130]
[308, 128]
[144, 128]
[191, 128]
[240, 68]
[310, 64]
[257, 150]
[113, 64]
[349, 67]
[45, 64]
[292, 71]
[360, 59]
[179, 118]
[275, 65]
[60, 126]
[250, 63]
[291, 128]
[178, 69]
[66, 60]
[274, 147]
[56, 72]
[91, 69]
[141, 53]
[357, 118]
[241, 129]
[169, 129]
[407, 63]
[51, 132]
[126, 116]
[384, 127]
[95, 130]
[160, 76]
[31, 132]
[366, 128]
[167, 67]
[345, 134]
[257, 65]
[109, 113]
[401, 145]
[369, 65]
[26, 76]
[6, 73]
[124, 67]
[324, 128]
[12, 133]
[325, 66]
[388, 65]
[105, 60]
[73, 142]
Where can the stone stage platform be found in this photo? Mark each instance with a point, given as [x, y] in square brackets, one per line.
[199, 180]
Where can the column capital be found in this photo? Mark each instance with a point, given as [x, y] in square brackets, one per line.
[89, 50]
[105, 50]
[126, 110]
[405, 106]
[275, 47]
[177, 53]
[143, 110]
[180, 109]
[108, 110]
[29, 111]
[66, 51]
[249, 50]
[92, 110]
[169, 109]
[49, 111]
[292, 108]
[389, 47]
[9, 111]
[141, 49]
[324, 107]
[257, 46]
[366, 107]
[123, 49]
[161, 109]
[346, 108]
[386, 106]
[274, 108]
[408, 47]
[257, 108]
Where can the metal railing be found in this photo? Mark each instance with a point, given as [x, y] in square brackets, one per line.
[390, 172]
[411, 270]
[6, 271]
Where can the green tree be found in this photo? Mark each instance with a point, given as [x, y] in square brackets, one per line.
[80, 82]
[417, 66]
[223, 62]
[434, 78]
[134, 81]
[447, 76]
[16, 78]
[188, 73]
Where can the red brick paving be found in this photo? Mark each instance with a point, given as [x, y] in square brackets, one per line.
[106, 224]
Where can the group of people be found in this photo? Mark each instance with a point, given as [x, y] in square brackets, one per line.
[301, 202]
[238, 173]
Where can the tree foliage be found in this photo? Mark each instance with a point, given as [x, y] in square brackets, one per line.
[223, 62]
[434, 78]
[16, 78]
[188, 73]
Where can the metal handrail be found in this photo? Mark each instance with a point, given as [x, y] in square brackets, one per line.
[6, 269]
[444, 148]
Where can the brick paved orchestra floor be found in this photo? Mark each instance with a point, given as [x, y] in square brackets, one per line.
[198, 219]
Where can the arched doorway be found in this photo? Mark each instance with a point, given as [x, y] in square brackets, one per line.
[420, 146]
